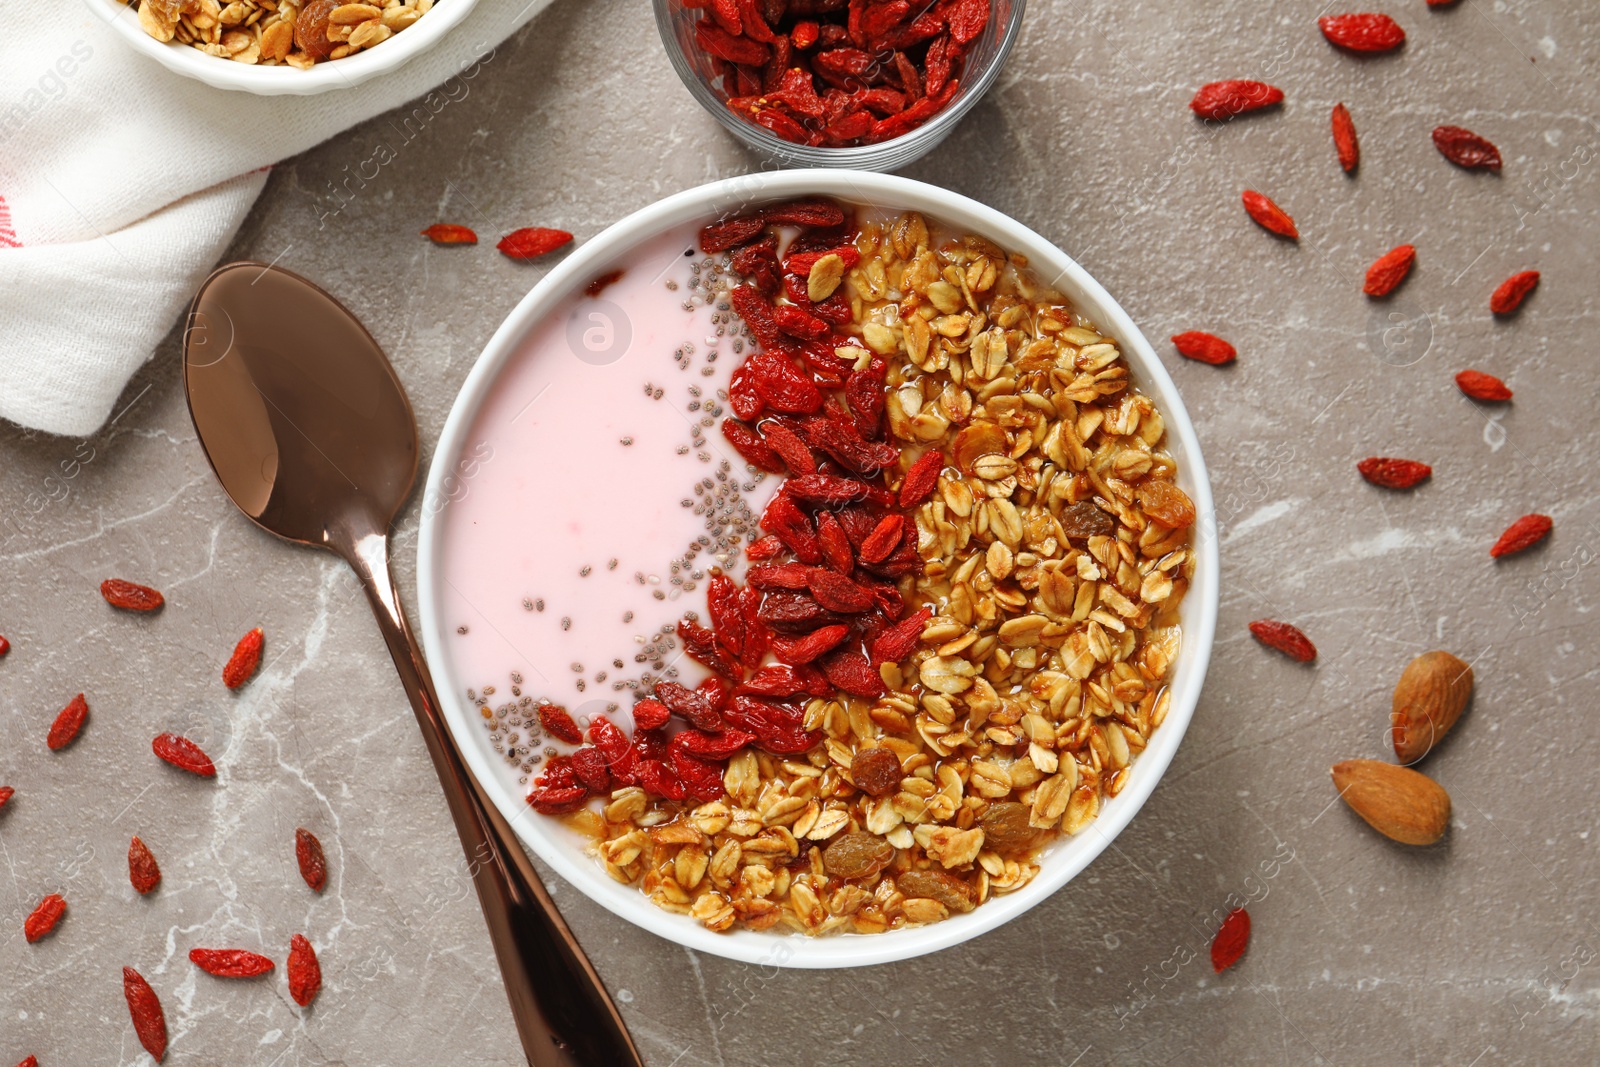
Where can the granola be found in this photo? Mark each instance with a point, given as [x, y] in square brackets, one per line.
[969, 582]
[273, 32]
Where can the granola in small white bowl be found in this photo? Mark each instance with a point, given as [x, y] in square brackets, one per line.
[277, 47]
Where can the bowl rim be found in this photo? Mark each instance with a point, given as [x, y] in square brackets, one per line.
[930, 133]
[557, 845]
[283, 80]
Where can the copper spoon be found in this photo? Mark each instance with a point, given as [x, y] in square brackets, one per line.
[312, 436]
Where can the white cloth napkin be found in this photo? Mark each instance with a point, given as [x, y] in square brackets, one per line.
[121, 183]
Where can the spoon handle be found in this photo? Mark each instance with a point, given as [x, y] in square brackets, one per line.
[563, 1013]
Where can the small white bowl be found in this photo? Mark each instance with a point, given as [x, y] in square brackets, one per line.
[563, 849]
[282, 79]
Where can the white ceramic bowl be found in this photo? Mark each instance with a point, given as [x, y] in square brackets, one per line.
[280, 80]
[563, 849]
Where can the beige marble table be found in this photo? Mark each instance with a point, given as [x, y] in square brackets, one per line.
[1482, 951]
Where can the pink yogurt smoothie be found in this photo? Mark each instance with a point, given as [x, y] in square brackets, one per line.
[593, 494]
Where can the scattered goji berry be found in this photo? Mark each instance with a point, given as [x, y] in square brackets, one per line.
[305, 973]
[1204, 347]
[1269, 215]
[1286, 638]
[1509, 296]
[130, 596]
[31, 1061]
[557, 722]
[149, 1021]
[6, 793]
[591, 768]
[899, 640]
[230, 962]
[183, 754]
[603, 282]
[1231, 939]
[806, 211]
[5, 646]
[42, 921]
[921, 479]
[1524, 533]
[763, 548]
[1393, 473]
[784, 520]
[531, 242]
[244, 661]
[1466, 149]
[837, 593]
[143, 871]
[1389, 270]
[1345, 141]
[67, 723]
[727, 233]
[781, 385]
[836, 550]
[1481, 386]
[312, 860]
[447, 233]
[743, 398]
[557, 800]
[719, 746]
[1363, 32]
[1225, 99]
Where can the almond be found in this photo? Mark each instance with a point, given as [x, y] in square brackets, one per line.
[1429, 698]
[1398, 802]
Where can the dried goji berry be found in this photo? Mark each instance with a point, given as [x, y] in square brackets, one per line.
[31, 1061]
[794, 453]
[1524, 533]
[783, 680]
[798, 650]
[901, 639]
[758, 261]
[312, 860]
[809, 211]
[836, 550]
[230, 962]
[6, 793]
[1204, 347]
[244, 661]
[702, 646]
[149, 1022]
[967, 20]
[446, 233]
[839, 439]
[658, 779]
[1393, 473]
[183, 754]
[712, 746]
[5, 646]
[723, 235]
[749, 444]
[558, 723]
[783, 387]
[763, 548]
[884, 538]
[305, 972]
[784, 520]
[1288, 639]
[829, 490]
[1389, 270]
[1363, 32]
[143, 871]
[130, 596]
[1345, 141]
[531, 242]
[1466, 149]
[1269, 215]
[1231, 939]
[1481, 386]
[800, 263]
[1225, 99]
[863, 390]
[43, 919]
[701, 779]
[725, 45]
[1509, 296]
[557, 800]
[67, 723]
[851, 672]
[837, 593]
[649, 714]
[779, 576]
[921, 479]
[590, 767]
[796, 613]
[743, 398]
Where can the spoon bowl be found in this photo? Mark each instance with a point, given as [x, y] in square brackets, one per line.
[311, 434]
